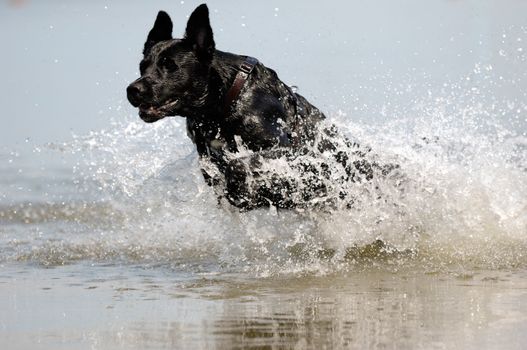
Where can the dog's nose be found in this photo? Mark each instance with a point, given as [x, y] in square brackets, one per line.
[134, 93]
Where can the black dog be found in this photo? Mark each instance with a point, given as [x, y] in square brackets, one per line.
[239, 114]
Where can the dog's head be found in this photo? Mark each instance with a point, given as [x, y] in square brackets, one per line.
[174, 72]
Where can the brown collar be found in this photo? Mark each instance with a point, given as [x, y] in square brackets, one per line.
[244, 70]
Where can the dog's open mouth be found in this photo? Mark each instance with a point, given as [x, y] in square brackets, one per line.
[151, 114]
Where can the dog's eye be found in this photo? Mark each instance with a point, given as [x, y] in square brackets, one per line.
[168, 63]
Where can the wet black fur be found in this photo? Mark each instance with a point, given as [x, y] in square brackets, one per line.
[267, 118]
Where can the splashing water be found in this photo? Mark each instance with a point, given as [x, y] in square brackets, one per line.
[462, 202]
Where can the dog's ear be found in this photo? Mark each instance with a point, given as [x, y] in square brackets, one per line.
[162, 30]
[199, 33]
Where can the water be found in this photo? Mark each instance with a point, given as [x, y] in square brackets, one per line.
[118, 243]
[111, 239]
[136, 308]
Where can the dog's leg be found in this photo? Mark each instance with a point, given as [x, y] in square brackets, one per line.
[249, 185]
[251, 182]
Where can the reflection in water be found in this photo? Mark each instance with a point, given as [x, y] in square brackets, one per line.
[371, 309]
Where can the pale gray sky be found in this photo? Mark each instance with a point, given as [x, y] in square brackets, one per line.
[65, 64]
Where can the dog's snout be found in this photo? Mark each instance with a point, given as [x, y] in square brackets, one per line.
[135, 93]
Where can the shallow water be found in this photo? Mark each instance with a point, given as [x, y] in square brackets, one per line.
[111, 239]
[109, 307]
[118, 243]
